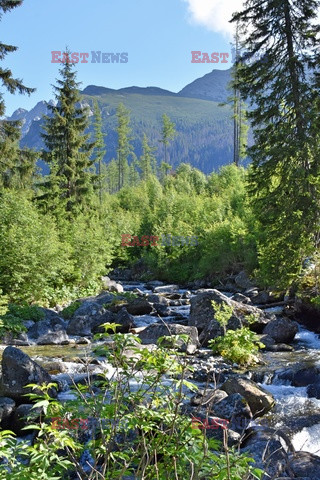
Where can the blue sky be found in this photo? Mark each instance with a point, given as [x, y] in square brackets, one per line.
[157, 35]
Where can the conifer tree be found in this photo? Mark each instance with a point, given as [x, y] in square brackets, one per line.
[69, 186]
[125, 148]
[148, 160]
[16, 165]
[99, 148]
[284, 175]
[168, 133]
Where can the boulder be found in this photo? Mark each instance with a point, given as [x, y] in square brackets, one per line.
[306, 376]
[111, 285]
[87, 325]
[89, 307]
[153, 298]
[269, 449]
[282, 330]
[267, 341]
[233, 408]
[238, 297]
[125, 320]
[139, 306]
[54, 338]
[23, 416]
[44, 327]
[103, 298]
[19, 340]
[259, 400]
[18, 370]
[202, 315]
[242, 281]
[208, 397]
[153, 332]
[162, 310]
[7, 406]
[304, 464]
[313, 391]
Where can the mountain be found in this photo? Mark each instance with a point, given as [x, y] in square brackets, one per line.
[204, 128]
[212, 86]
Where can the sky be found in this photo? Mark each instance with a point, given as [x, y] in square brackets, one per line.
[158, 37]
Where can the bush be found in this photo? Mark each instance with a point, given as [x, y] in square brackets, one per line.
[68, 312]
[240, 346]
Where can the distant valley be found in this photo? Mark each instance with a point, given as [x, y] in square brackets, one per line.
[205, 135]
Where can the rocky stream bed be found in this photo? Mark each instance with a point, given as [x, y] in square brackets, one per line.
[272, 408]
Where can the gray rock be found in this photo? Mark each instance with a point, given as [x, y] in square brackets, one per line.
[7, 406]
[153, 298]
[242, 281]
[238, 297]
[313, 391]
[306, 376]
[233, 408]
[202, 315]
[304, 464]
[103, 298]
[19, 340]
[18, 370]
[139, 306]
[282, 330]
[153, 332]
[264, 445]
[208, 397]
[86, 325]
[54, 338]
[43, 327]
[125, 320]
[162, 310]
[89, 307]
[23, 416]
[259, 400]
[267, 341]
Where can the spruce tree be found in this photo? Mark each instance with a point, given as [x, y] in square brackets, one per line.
[125, 148]
[284, 184]
[148, 160]
[16, 165]
[69, 186]
[168, 133]
[99, 148]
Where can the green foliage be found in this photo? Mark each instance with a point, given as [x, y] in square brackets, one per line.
[26, 312]
[11, 320]
[68, 189]
[284, 96]
[68, 312]
[134, 410]
[11, 324]
[240, 346]
[222, 313]
[31, 257]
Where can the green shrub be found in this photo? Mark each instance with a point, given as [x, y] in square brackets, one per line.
[68, 312]
[240, 346]
[12, 320]
[26, 312]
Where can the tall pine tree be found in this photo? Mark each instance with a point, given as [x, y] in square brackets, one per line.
[284, 177]
[125, 148]
[68, 189]
[99, 147]
[16, 165]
